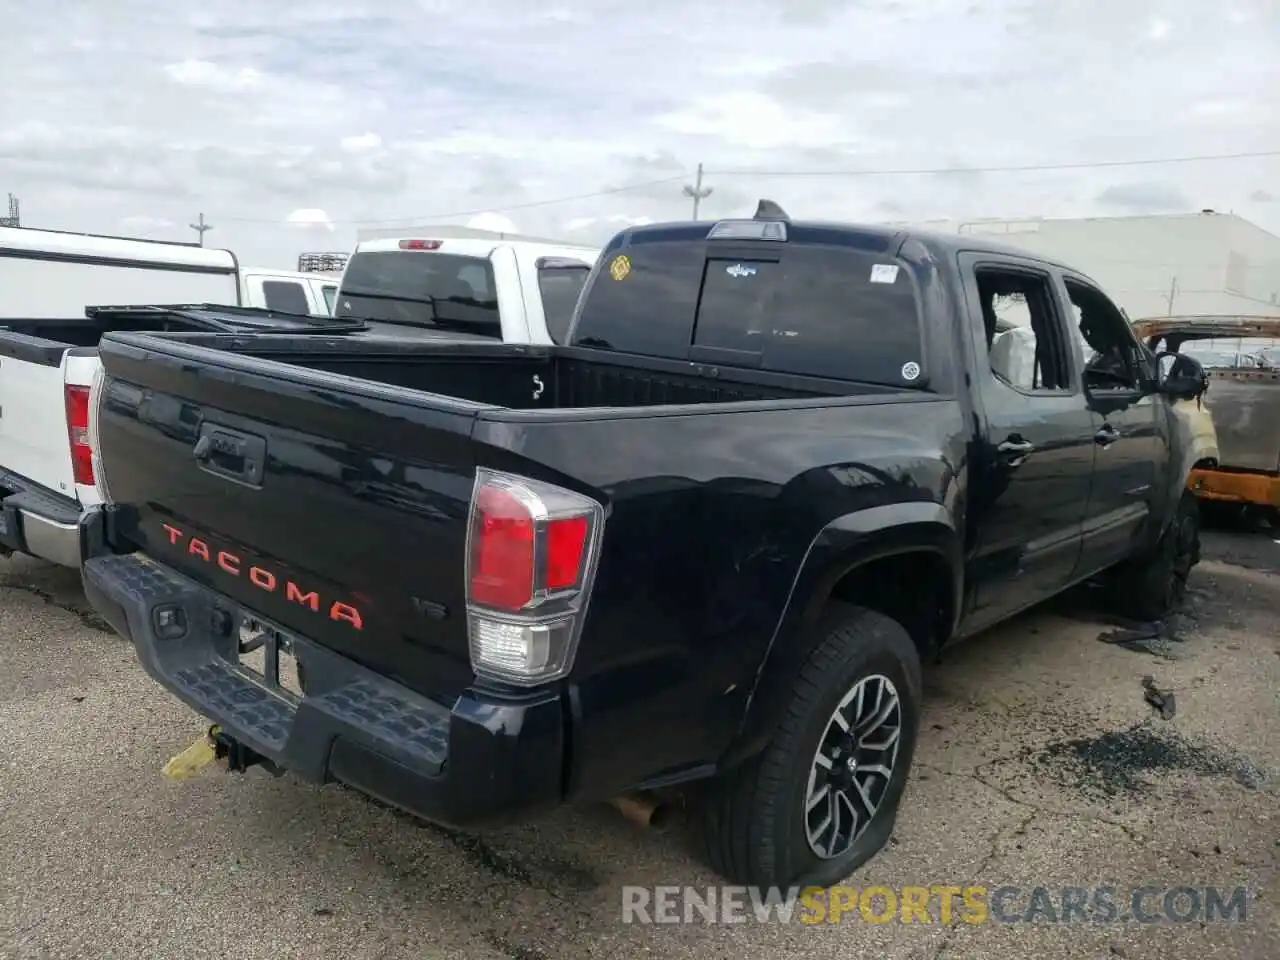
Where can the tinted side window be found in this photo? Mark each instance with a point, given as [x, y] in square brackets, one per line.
[330, 296]
[559, 288]
[285, 296]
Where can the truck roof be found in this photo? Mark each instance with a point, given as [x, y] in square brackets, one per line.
[480, 246]
[304, 276]
[862, 235]
[58, 244]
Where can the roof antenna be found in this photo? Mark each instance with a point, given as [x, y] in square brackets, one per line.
[768, 210]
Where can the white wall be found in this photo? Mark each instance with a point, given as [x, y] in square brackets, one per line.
[1210, 263]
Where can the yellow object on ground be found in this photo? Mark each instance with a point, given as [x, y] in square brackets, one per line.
[193, 759]
[1237, 487]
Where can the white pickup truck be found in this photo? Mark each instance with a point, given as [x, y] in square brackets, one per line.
[518, 291]
[48, 366]
[49, 273]
[286, 291]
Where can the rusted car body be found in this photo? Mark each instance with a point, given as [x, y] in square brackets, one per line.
[1241, 356]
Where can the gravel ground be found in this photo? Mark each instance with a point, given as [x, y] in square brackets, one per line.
[1040, 765]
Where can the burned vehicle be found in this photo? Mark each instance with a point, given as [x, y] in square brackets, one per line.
[1241, 359]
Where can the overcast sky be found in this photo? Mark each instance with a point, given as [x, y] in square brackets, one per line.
[135, 115]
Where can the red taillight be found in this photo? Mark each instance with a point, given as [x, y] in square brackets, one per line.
[517, 553]
[77, 399]
[501, 550]
[532, 555]
[419, 244]
[566, 544]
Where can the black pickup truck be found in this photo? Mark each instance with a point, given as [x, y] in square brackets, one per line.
[711, 538]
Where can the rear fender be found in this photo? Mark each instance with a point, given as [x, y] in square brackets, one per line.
[848, 542]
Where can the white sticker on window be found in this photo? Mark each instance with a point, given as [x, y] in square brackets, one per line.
[884, 273]
[910, 369]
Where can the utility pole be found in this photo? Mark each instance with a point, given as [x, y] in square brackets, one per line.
[698, 192]
[200, 228]
[1173, 293]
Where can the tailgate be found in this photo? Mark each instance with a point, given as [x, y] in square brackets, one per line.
[334, 507]
[33, 412]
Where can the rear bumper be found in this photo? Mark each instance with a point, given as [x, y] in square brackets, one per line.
[39, 522]
[476, 762]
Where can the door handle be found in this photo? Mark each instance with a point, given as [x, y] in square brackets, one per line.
[230, 454]
[1014, 450]
[1106, 435]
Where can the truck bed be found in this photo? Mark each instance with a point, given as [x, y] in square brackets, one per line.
[524, 377]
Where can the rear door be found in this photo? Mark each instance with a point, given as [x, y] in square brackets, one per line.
[1032, 471]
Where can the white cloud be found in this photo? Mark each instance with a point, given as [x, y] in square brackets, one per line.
[615, 221]
[148, 226]
[747, 118]
[310, 218]
[493, 221]
[361, 143]
[256, 113]
[202, 73]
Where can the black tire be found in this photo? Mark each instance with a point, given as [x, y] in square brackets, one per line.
[1154, 584]
[752, 818]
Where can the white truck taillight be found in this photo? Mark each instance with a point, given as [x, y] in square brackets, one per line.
[532, 550]
[77, 402]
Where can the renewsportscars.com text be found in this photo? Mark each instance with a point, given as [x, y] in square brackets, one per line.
[935, 903]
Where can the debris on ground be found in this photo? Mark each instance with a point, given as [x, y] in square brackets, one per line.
[1162, 700]
[1116, 761]
[1156, 637]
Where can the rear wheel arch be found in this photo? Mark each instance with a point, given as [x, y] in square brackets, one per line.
[861, 559]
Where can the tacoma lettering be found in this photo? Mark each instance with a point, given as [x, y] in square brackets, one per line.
[264, 579]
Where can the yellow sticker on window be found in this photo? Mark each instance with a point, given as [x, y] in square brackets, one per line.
[620, 267]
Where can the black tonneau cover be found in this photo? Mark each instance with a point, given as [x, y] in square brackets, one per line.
[228, 319]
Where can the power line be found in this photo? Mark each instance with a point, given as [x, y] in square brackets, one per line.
[919, 172]
[932, 171]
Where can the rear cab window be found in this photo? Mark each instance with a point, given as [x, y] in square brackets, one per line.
[285, 296]
[421, 287]
[560, 281]
[830, 303]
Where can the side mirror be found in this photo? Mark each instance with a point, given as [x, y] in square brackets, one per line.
[1180, 377]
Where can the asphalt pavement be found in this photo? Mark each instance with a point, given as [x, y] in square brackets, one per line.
[1042, 765]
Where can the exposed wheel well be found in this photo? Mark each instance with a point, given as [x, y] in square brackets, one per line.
[913, 588]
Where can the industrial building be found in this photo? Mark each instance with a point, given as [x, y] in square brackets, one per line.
[1201, 263]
